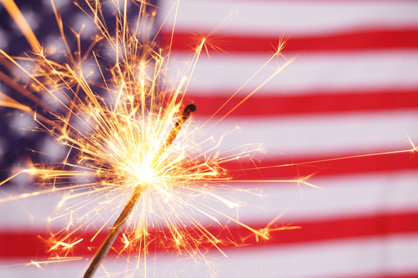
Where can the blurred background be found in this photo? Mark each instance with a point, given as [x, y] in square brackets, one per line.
[351, 89]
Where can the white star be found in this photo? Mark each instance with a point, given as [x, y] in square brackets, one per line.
[22, 124]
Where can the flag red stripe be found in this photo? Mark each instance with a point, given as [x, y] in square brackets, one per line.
[344, 41]
[383, 275]
[26, 244]
[318, 1]
[309, 103]
[267, 168]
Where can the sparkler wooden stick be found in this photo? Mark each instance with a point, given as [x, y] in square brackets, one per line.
[123, 217]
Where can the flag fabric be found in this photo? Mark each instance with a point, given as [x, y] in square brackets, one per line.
[350, 90]
[349, 95]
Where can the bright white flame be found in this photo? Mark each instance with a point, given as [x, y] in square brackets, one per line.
[145, 173]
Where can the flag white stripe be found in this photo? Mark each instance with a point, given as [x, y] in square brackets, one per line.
[330, 134]
[356, 257]
[289, 17]
[343, 196]
[351, 70]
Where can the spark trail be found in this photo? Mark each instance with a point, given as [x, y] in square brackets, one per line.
[114, 232]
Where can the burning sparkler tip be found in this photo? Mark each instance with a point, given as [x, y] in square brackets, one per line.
[190, 108]
[186, 114]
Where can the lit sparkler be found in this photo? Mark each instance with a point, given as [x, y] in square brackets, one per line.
[118, 131]
[114, 232]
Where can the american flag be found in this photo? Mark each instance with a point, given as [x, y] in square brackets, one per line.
[351, 89]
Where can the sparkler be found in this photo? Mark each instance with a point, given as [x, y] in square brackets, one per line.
[120, 138]
[114, 232]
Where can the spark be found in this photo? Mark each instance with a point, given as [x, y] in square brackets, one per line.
[35, 263]
[21, 22]
[125, 241]
[65, 245]
[39, 264]
[413, 145]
